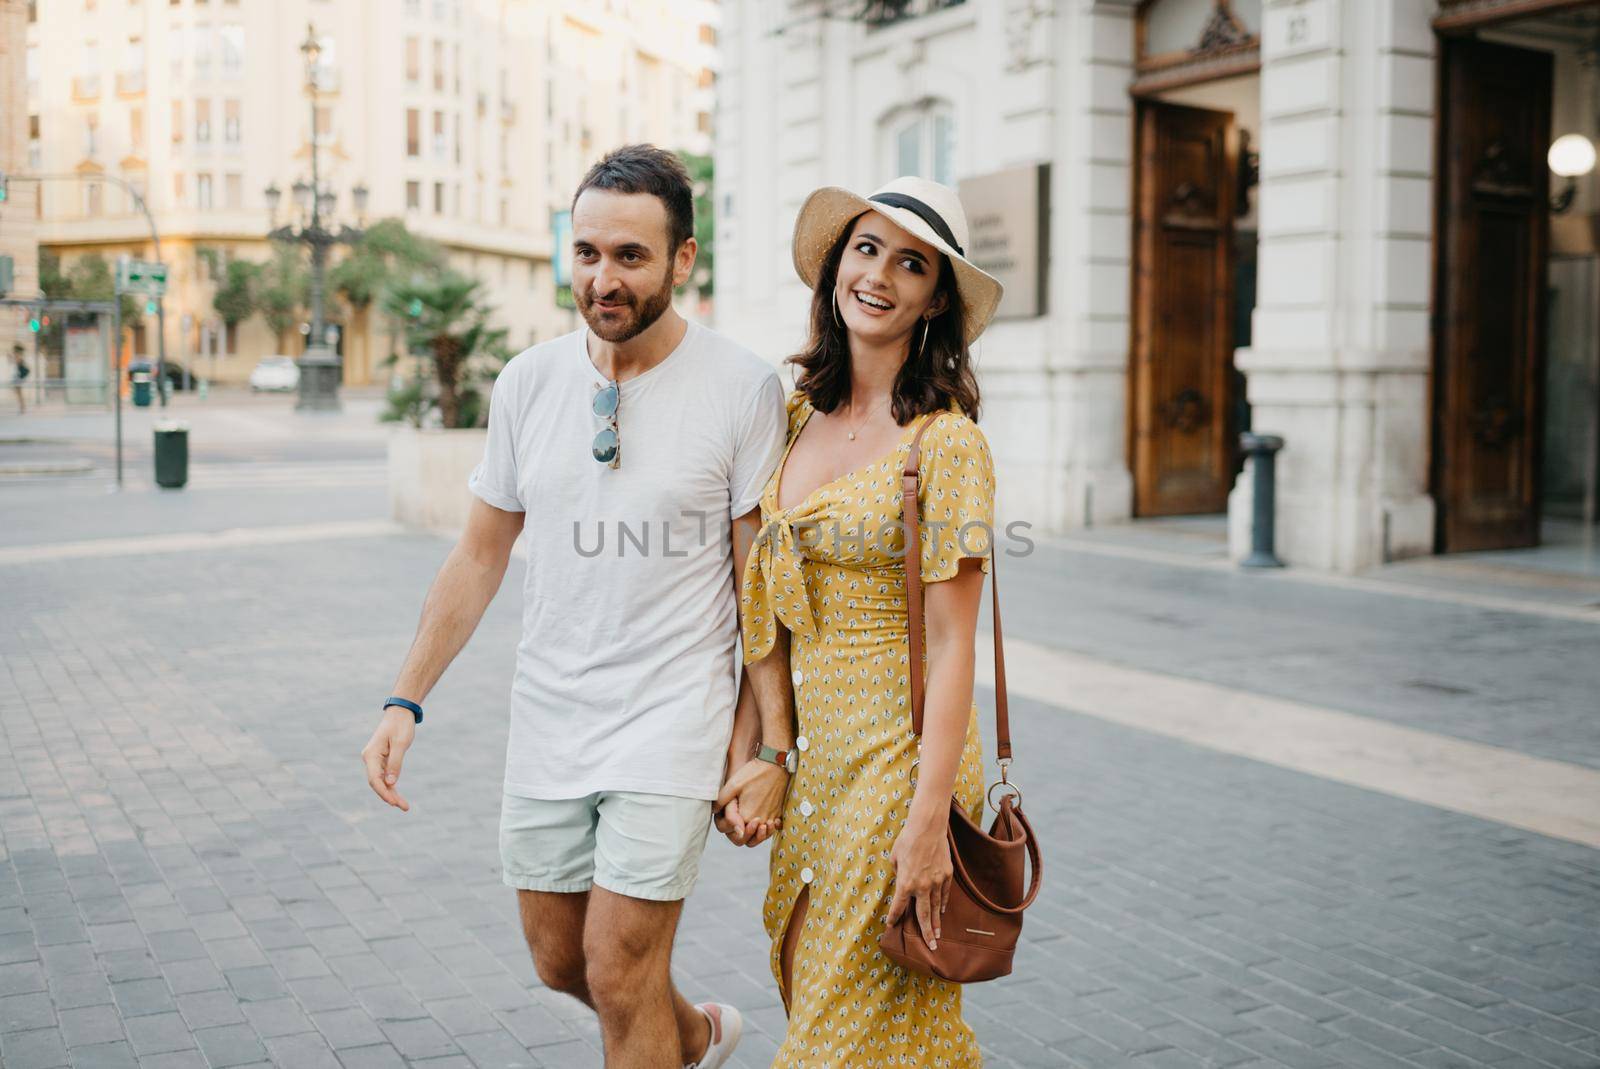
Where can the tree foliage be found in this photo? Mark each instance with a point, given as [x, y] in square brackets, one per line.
[445, 318]
[284, 290]
[701, 173]
[387, 251]
[236, 298]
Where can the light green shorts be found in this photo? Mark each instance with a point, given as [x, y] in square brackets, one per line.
[639, 845]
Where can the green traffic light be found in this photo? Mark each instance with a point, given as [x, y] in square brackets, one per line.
[33, 324]
[149, 308]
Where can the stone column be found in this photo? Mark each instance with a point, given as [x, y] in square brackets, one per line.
[1339, 364]
[1084, 400]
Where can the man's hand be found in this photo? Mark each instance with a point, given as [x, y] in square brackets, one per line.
[753, 797]
[386, 750]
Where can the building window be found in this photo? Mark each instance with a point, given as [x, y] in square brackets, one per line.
[455, 67]
[91, 137]
[439, 149]
[230, 334]
[456, 123]
[175, 49]
[177, 189]
[231, 132]
[231, 39]
[93, 199]
[202, 122]
[35, 145]
[413, 61]
[924, 145]
[505, 212]
[324, 124]
[413, 8]
[233, 192]
[438, 198]
[177, 122]
[202, 192]
[413, 196]
[413, 133]
[202, 51]
[438, 66]
[136, 130]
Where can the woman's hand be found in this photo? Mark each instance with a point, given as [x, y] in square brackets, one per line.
[751, 802]
[922, 873]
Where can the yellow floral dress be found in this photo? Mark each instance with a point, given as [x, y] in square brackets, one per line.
[830, 570]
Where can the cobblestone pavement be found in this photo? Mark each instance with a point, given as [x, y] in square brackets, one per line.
[194, 873]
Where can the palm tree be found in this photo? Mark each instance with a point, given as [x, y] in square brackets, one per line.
[444, 316]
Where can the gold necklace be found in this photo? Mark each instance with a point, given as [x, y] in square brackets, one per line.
[851, 434]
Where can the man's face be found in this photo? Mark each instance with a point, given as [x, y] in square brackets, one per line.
[623, 265]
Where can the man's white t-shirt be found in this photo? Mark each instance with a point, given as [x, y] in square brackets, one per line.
[626, 671]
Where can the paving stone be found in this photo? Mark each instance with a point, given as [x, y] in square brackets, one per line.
[382, 1056]
[229, 1045]
[208, 1009]
[306, 1050]
[118, 1055]
[20, 1013]
[38, 1048]
[159, 1033]
[21, 978]
[348, 1028]
[278, 1017]
[90, 1025]
[256, 984]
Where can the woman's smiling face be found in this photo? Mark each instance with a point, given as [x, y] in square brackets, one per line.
[888, 279]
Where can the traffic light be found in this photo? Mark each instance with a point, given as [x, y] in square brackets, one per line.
[150, 307]
[33, 324]
[4, 182]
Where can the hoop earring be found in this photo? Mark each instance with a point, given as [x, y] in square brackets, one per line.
[923, 349]
[833, 301]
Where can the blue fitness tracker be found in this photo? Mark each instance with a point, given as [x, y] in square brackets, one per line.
[416, 710]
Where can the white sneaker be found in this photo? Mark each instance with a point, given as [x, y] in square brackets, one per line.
[726, 1028]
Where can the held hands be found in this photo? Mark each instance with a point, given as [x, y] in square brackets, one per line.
[385, 751]
[922, 872]
[750, 805]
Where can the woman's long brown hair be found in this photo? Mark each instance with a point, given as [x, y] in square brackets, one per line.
[932, 375]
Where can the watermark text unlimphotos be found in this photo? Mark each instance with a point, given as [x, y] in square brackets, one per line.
[593, 538]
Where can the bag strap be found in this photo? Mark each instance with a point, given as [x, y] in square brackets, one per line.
[910, 482]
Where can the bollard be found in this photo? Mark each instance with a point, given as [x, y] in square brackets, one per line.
[1264, 448]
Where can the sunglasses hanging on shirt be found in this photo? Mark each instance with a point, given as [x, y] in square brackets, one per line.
[607, 447]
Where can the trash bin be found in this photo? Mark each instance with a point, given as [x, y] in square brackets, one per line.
[141, 388]
[172, 453]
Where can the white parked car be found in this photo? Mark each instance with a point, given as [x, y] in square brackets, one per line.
[276, 373]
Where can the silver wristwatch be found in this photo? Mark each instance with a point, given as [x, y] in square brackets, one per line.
[788, 760]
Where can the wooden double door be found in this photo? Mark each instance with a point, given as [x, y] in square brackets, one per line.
[1489, 301]
[1180, 418]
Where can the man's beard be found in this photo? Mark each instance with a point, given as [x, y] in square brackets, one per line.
[618, 326]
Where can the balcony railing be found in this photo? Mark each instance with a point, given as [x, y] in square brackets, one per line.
[877, 13]
[86, 87]
[130, 83]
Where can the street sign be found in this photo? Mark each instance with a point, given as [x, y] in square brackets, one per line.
[142, 276]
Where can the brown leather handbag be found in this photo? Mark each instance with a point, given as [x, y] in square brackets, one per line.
[983, 920]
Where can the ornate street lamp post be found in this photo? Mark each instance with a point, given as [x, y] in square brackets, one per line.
[315, 203]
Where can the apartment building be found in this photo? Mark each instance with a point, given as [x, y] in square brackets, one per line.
[469, 119]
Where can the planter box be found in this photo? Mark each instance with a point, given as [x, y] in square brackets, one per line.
[428, 472]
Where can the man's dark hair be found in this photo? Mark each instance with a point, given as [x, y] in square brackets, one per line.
[647, 169]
